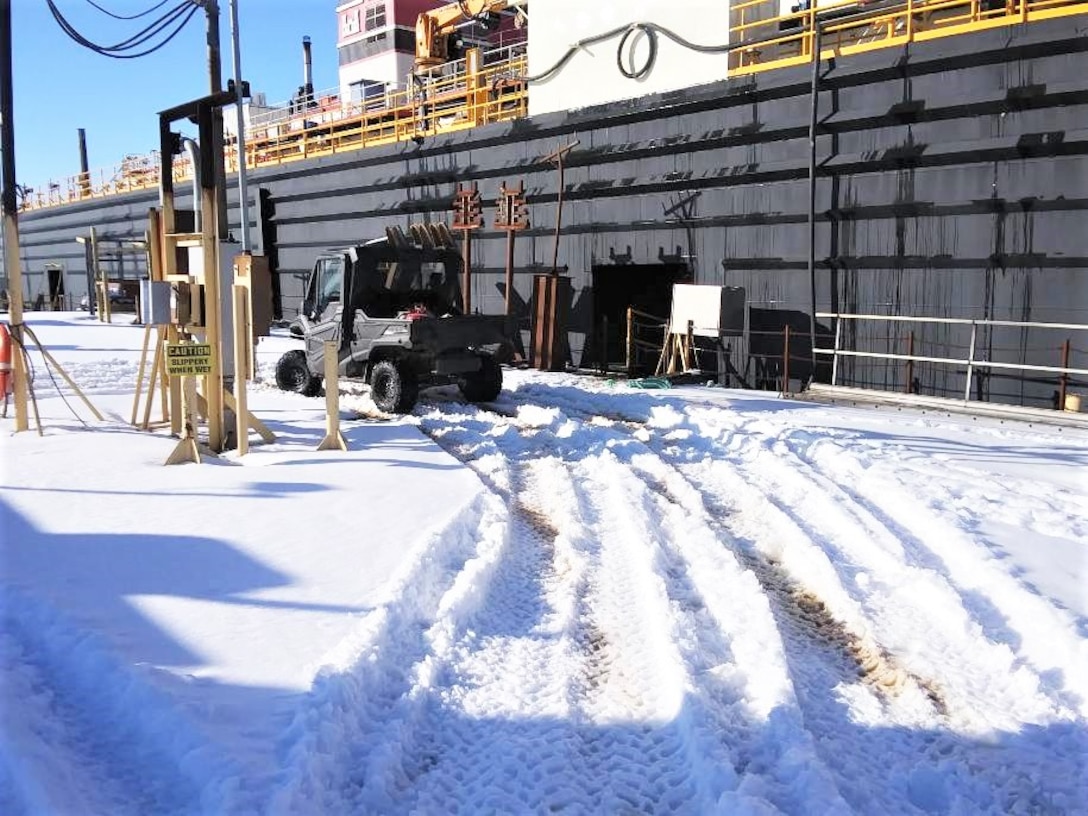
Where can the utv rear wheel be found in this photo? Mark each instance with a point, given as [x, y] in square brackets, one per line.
[485, 384]
[292, 374]
[393, 387]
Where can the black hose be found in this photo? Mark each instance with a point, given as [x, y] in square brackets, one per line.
[651, 58]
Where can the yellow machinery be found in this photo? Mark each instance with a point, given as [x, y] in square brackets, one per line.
[433, 28]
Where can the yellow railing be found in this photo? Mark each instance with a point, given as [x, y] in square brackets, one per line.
[769, 39]
[473, 95]
[470, 96]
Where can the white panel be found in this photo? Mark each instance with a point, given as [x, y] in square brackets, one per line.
[702, 305]
[592, 77]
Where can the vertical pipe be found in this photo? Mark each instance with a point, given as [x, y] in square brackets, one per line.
[1063, 381]
[9, 212]
[814, 98]
[307, 72]
[84, 169]
[835, 351]
[786, 360]
[909, 387]
[243, 195]
[193, 149]
[630, 346]
[970, 361]
[604, 344]
[509, 272]
[466, 273]
[558, 216]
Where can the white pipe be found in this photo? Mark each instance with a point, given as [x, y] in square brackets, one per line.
[193, 150]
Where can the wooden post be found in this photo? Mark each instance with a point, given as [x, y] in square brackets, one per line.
[333, 438]
[242, 334]
[157, 370]
[140, 375]
[629, 354]
[186, 450]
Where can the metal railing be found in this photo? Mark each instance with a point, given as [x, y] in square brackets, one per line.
[770, 39]
[445, 101]
[971, 363]
[767, 40]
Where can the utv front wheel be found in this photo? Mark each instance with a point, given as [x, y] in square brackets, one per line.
[292, 374]
[393, 387]
[485, 384]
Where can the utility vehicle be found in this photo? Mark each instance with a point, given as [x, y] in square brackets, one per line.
[392, 307]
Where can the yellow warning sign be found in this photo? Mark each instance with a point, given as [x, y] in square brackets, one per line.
[188, 359]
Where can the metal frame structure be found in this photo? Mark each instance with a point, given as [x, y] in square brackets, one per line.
[971, 362]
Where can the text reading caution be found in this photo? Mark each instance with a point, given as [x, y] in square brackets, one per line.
[188, 359]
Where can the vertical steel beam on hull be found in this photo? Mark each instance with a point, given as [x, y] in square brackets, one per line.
[814, 105]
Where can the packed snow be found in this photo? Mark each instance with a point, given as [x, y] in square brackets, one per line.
[580, 598]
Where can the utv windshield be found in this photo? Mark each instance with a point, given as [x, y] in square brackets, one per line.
[409, 285]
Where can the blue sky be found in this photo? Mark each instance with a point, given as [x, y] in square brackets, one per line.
[60, 86]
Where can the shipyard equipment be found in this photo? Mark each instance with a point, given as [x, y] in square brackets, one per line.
[391, 306]
[435, 29]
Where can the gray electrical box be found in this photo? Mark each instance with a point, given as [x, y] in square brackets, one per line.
[155, 303]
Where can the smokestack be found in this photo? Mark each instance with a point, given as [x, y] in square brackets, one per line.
[84, 169]
[307, 66]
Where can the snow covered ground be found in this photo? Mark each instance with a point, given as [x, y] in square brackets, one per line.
[581, 598]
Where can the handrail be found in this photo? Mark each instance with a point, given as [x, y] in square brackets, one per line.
[970, 362]
[453, 101]
[766, 38]
[852, 26]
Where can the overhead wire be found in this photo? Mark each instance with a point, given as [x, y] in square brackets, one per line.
[109, 13]
[183, 11]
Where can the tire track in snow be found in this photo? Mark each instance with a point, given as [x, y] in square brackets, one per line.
[707, 726]
[902, 579]
[1045, 636]
[791, 597]
[559, 758]
[344, 751]
[736, 459]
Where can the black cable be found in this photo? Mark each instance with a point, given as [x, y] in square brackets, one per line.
[651, 58]
[651, 30]
[179, 11]
[48, 370]
[109, 13]
[137, 39]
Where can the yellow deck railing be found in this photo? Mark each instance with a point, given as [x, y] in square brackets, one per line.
[467, 94]
[769, 39]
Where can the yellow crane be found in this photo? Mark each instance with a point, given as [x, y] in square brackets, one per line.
[434, 27]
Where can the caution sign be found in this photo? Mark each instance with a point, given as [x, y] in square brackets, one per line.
[188, 359]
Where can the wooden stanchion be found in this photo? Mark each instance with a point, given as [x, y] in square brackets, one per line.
[333, 438]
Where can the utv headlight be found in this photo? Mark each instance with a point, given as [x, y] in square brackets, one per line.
[395, 329]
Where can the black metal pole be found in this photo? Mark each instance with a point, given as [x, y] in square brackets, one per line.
[215, 144]
[814, 105]
[7, 115]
